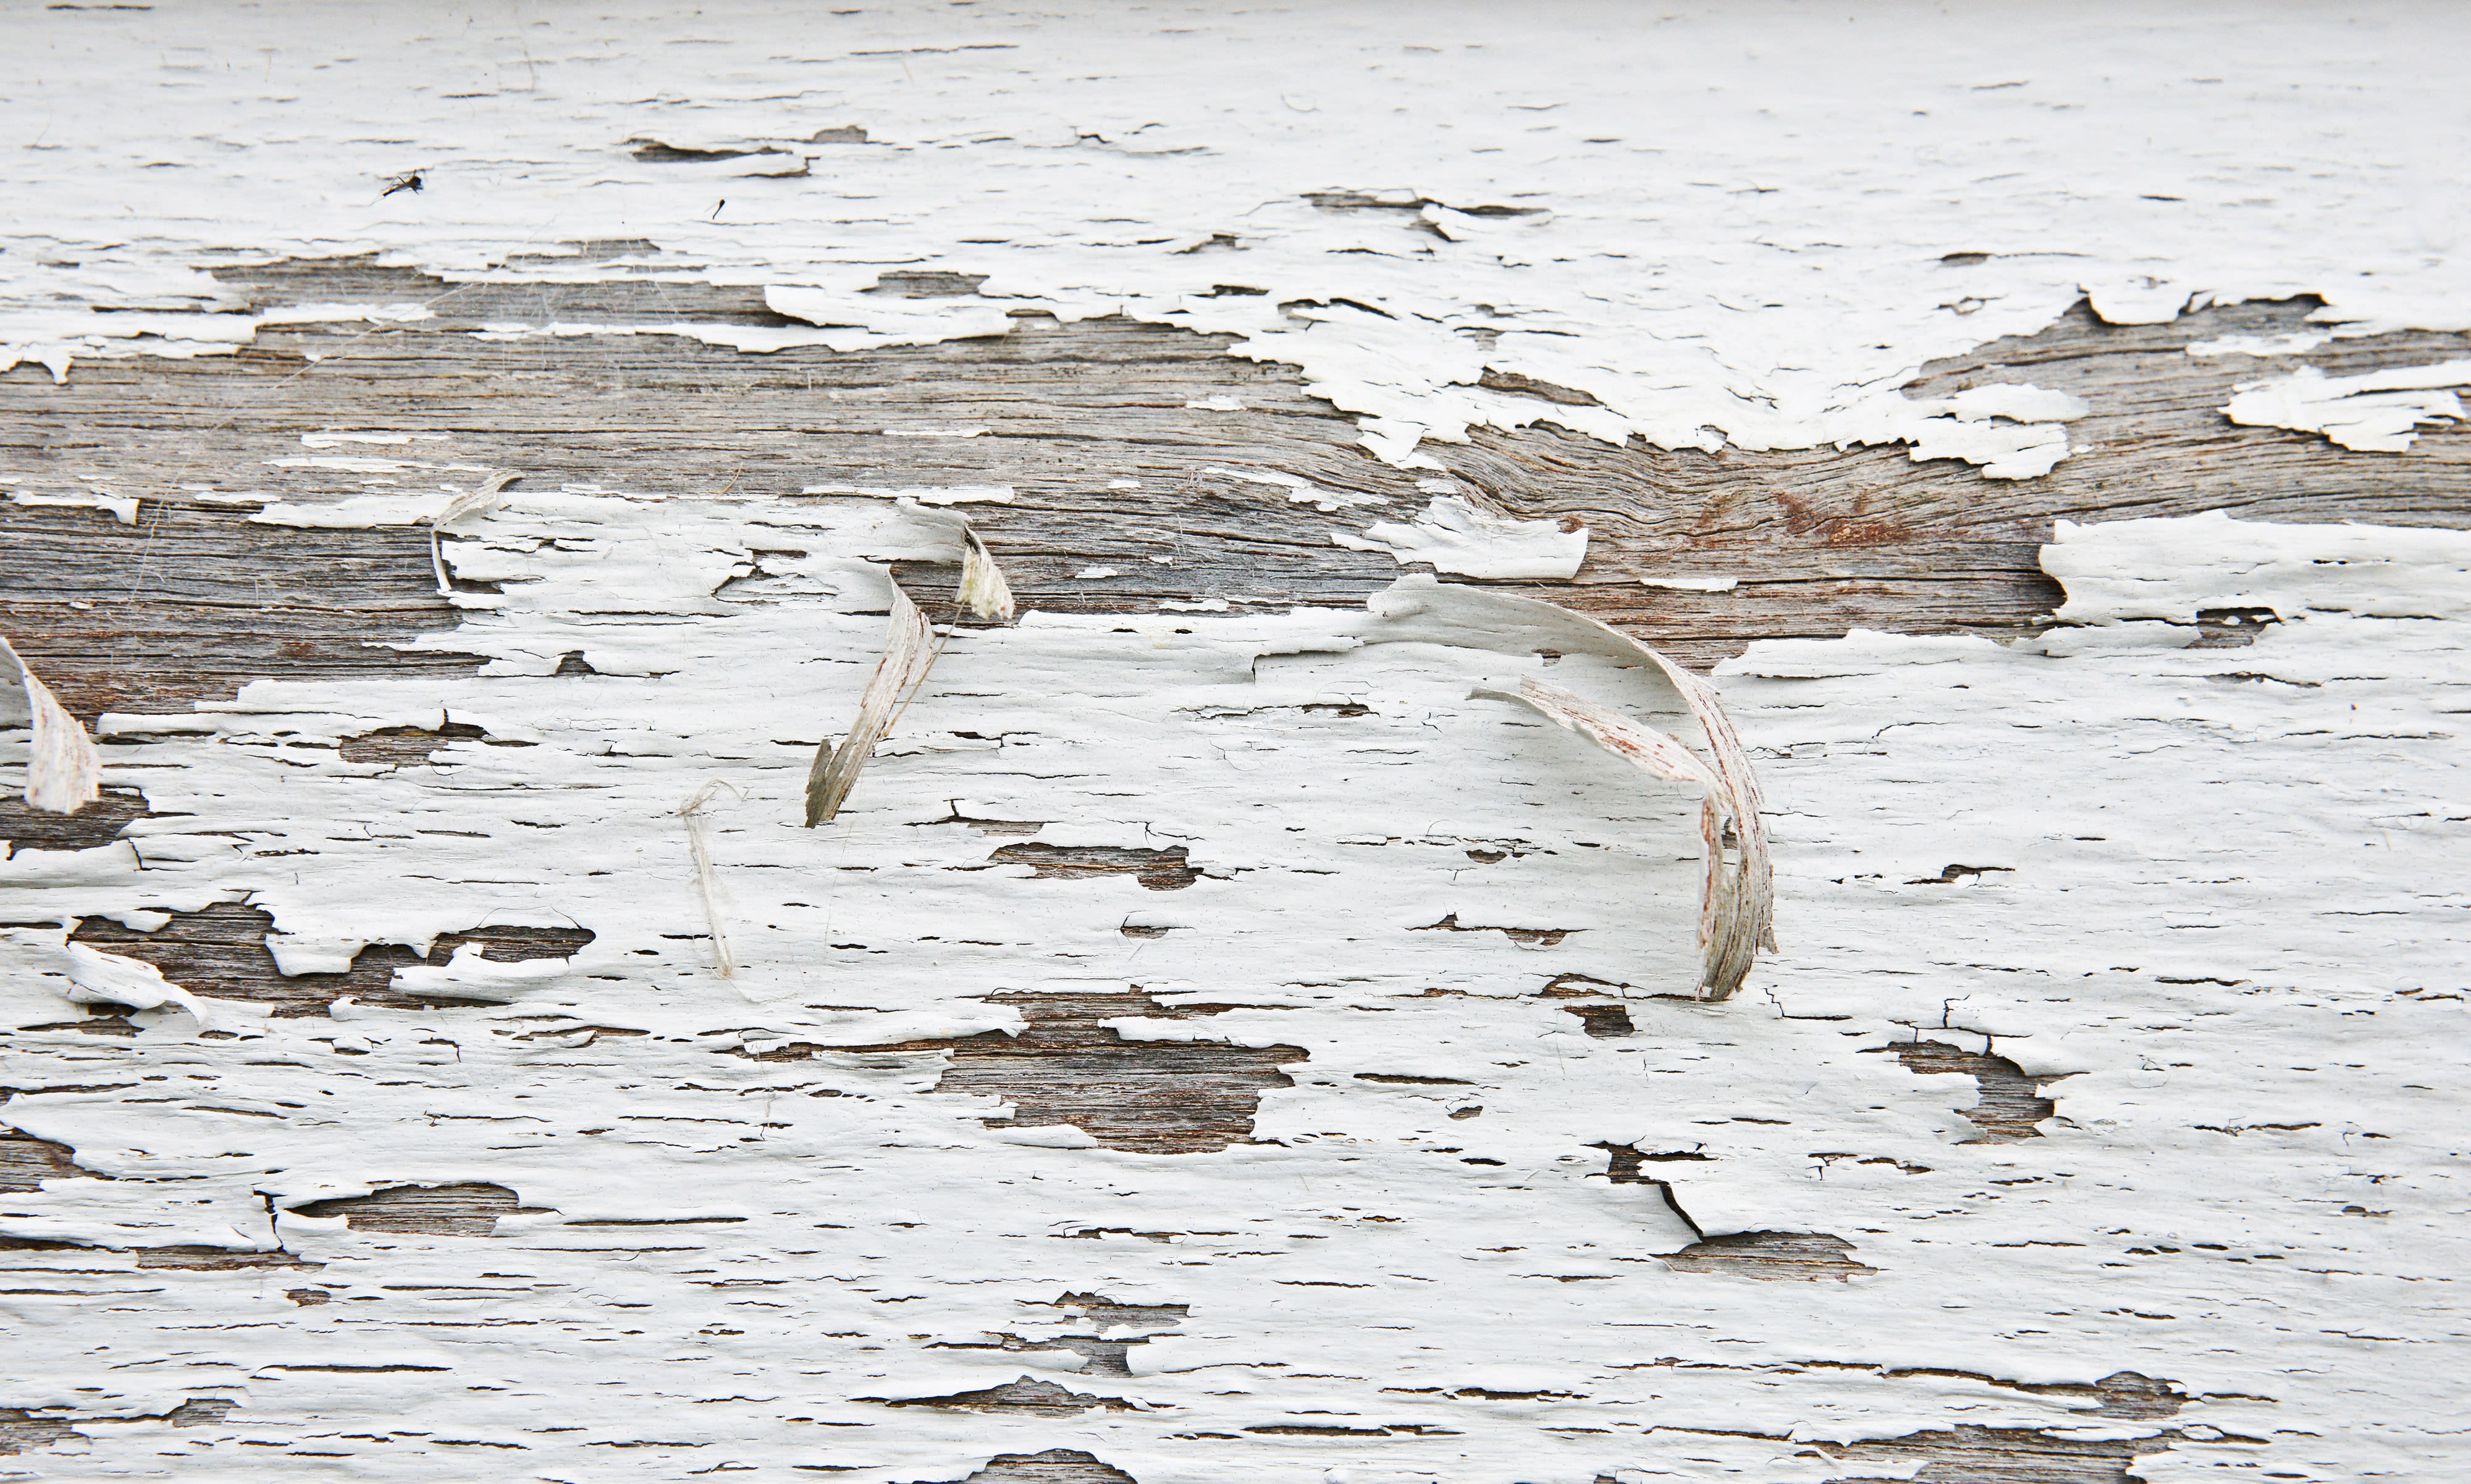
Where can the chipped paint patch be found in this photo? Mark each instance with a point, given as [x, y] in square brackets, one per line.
[859, 1206]
[2379, 412]
[1455, 536]
[1439, 217]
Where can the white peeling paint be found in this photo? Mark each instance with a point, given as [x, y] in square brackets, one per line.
[2258, 345]
[358, 512]
[1416, 197]
[2205, 884]
[2378, 412]
[2012, 431]
[123, 507]
[2161, 887]
[2140, 298]
[1301, 492]
[375, 314]
[1455, 536]
[295, 955]
[2023, 403]
[925, 494]
[2130, 570]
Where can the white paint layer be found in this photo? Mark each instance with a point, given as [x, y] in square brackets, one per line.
[2380, 411]
[123, 507]
[2207, 885]
[1746, 225]
[1457, 537]
[925, 494]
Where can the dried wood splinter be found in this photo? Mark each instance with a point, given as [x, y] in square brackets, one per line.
[63, 774]
[909, 650]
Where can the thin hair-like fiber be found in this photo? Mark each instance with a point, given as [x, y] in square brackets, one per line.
[699, 846]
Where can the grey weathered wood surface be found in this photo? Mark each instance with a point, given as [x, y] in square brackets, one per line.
[194, 600]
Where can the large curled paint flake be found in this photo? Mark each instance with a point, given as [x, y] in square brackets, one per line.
[1736, 905]
[1737, 900]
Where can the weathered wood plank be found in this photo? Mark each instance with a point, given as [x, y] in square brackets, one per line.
[194, 599]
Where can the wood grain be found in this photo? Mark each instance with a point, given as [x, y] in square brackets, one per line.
[194, 599]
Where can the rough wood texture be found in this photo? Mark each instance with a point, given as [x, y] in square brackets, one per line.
[194, 600]
[25, 1162]
[1826, 540]
[443, 1210]
[100, 823]
[1055, 1466]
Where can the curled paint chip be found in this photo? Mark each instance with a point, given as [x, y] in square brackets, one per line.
[489, 494]
[63, 772]
[99, 977]
[487, 497]
[984, 591]
[1736, 905]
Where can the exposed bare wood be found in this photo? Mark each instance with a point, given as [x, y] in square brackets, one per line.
[2011, 1103]
[1068, 1067]
[221, 951]
[467, 1210]
[194, 599]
